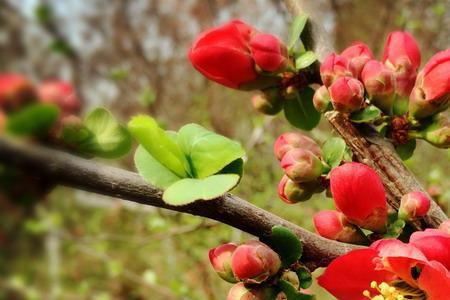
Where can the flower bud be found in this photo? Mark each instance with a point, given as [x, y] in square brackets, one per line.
[347, 94]
[358, 54]
[322, 99]
[402, 55]
[445, 226]
[220, 258]
[437, 132]
[269, 103]
[431, 93]
[333, 67]
[292, 140]
[269, 53]
[414, 205]
[334, 225]
[292, 192]
[359, 194]
[61, 94]
[301, 165]
[241, 291]
[15, 91]
[254, 262]
[379, 82]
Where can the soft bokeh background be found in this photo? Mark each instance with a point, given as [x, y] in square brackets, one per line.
[130, 56]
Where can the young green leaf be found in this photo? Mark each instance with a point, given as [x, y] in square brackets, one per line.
[109, 139]
[405, 151]
[35, 119]
[369, 114]
[188, 190]
[305, 277]
[152, 170]
[296, 30]
[291, 292]
[305, 59]
[333, 151]
[285, 243]
[207, 152]
[300, 112]
[155, 140]
[395, 229]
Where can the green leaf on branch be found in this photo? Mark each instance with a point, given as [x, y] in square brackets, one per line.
[334, 151]
[207, 152]
[285, 243]
[156, 141]
[305, 59]
[305, 277]
[108, 138]
[405, 151]
[35, 119]
[152, 170]
[395, 229]
[296, 30]
[300, 111]
[367, 115]
[188, 190]
[291, 292]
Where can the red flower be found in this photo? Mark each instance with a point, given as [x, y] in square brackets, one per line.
[414, 205]
[431, 93]
[389, 268]
[434, 243]
[15, 91]
[347, 94]
[269, 53]
[358, 54]
[334, 225]
[333, 67]
[60, 93]
[359, 194]
[379, 82]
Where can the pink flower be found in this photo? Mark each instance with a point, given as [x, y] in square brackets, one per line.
[414, 205]
[359, 194]
[389, 268]
[334, 225]
[254, 262]
[434, 244]
[15, 91]
[269, 53]
[220, 258]
[431, 93]
[333, 67]
[61, 94]
[347, 94]
[358, 54]
[292, 140]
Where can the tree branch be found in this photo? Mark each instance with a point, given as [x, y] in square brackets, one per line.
[72, 171]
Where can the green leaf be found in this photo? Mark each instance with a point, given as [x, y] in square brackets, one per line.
[35, 119]
[235, 167]
[152, 170]
[285, 243]
[369, 114]
[296, 30]
[188, 190]
[207, 152]
[405, 151]
[395, 229]
[305, 277]
[43, 13]
[292, 293]
[109, 139]
[157, 142]
[333, 151]
[381, 128]
[147, 97]
[300, 112]
[305, 59]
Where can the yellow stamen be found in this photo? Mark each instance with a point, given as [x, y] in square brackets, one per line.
[396, 290]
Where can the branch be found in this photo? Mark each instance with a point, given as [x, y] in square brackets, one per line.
[72, 171]
[378, 153]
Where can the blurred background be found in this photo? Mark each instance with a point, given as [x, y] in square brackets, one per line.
[130, 56]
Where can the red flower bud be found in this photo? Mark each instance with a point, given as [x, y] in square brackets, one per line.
[292, 140]
[220, 258]
[379, 82]
[347, 94]
[254, 262]
[334, 225]
[333, 67]
[414, 205]
[61, 94]
[241, 291]
[358, 54]
[322, 99]
[431, 93]
[445, 226]
[359, 194]
[269, 53]
[292, 192]
[301, 165]
[402, 55]
[15, 91]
